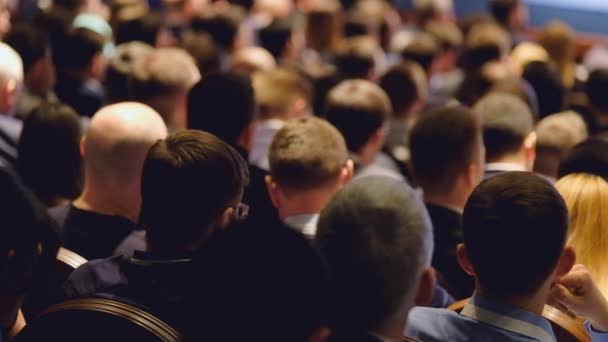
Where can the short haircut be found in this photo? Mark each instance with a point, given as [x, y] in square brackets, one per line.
[222, 23]
[120, 69]
[277, 90]
[356, 56]
[144, 28]
[404, 84]
[443, 143]
[587, 157]
[165, 71]
[357, 108]
[501, 10]
[423, 49]
[448, 35]
[188, 180]
[377, 239]
[86, 42]
[307, 153]
[324, 25]
[597, 88]
[30, 43]
[275, 37]
[507, 121]
[222, 104]
[50, 141]
[285, 296]
[507, 220]
[202, 48]
[547, 85]
[485, 42]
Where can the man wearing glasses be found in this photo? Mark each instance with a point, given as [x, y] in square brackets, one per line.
[192, 184]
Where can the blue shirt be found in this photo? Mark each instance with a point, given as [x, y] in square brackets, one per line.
[480, 320]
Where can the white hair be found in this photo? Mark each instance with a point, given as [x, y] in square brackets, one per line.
[11, 66]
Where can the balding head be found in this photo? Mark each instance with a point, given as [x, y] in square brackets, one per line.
[11, 78]
[116, 144]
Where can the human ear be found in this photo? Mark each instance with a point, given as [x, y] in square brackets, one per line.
[464, 261]
[426, 287]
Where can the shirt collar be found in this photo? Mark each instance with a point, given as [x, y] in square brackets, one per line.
[305, 223]
[148, 259]
[509, 318]
[504, 167]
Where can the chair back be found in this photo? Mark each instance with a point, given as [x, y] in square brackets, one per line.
[91, 319]
[565, 327]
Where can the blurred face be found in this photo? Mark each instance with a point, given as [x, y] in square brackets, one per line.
[5, 18]
[520, 17]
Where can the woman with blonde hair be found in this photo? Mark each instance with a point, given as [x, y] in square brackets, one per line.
[559, 41]
[586, 197]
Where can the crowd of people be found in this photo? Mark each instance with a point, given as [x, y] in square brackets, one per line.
[304, 170]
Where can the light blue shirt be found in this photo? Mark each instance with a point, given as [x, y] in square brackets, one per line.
[305, 224]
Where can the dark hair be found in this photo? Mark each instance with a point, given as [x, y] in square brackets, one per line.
[423, 49]
[29, 42]
[587, 157]
[273, 276]
[188, 180]
[222, 104]
[399, 83]
[376, 238]
[597, 88]
[507, 121]
[546, 82]
[144, 29]
[357, 108]
[86, 42]
[120, 69]
[222, 24]
[202, 48]
[485, 42]
[355, 56]
[442, 145]
[501, 10]
[275, 37]
[49, 159]
[506, 222]
[307, 153]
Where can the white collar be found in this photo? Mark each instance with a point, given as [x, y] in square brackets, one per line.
[305, 223]
[504, 167]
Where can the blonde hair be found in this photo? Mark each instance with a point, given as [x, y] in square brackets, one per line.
[559, 41]
[586, 197]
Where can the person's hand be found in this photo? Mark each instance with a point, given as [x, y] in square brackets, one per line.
[578, 293]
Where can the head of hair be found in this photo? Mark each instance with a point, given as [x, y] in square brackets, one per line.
[514, 209]
[222, 104]
[355, 57]
[376, 238]
[358, 109]
[587, 157]
[485, 42]
[188, 164]
[307, 153]
[51, 133]
[275, 37]
[422, 49]
[597, 88]
[144, 28]
[29, 42]
[202, 48]
[86, 42]
[286, 277]
[251, 59]
[559, 40]
[502, 10]
[324, 26]
[507, 121]
[11, 67]
[428, 10]
[557, 134]
[120, 69]
[448, 35]
[443, 143]
[277, 90]
[585, 196]
[404, 84]
[547, 85]
[222, 23]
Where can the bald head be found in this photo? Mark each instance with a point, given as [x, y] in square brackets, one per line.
[117, 141]
[11, 77]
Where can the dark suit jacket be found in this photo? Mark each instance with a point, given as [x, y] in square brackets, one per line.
[10, 131]
[86, 97]
[447, 232]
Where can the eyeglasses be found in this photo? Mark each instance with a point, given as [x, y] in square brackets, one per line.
[241, 211]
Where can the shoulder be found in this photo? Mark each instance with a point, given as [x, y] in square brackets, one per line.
[428, 324]
[94, 276]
